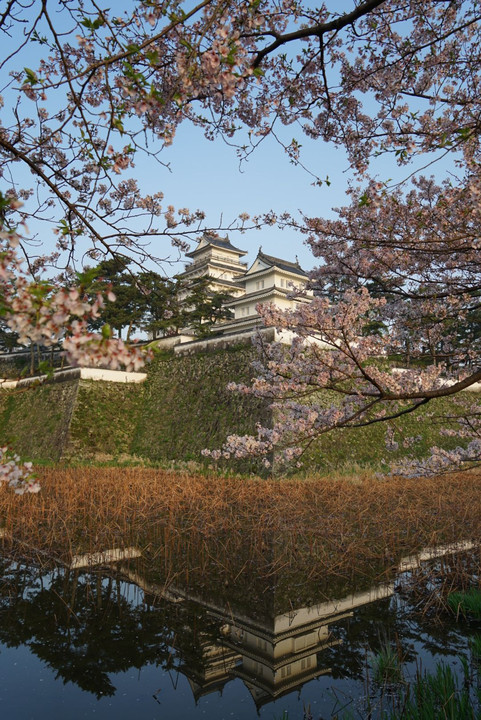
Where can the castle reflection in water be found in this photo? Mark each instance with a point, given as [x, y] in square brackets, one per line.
[272, 655]
[99, 615]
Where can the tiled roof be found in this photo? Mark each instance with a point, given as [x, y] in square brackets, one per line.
[217, 241]
[265, 293]
[195, 267]
[281, 264]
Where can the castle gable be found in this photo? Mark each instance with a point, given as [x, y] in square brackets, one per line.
[215, 243]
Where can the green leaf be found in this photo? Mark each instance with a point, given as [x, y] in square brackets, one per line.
[118, 125]
[31, 78]
[46, 368]
[40, 39]
[186, 44]
[87, 277]
[106, 332]
[152, 56]
[156, 95]
[63, 227]
[92, 24]
[4, 203]
[232, 56]
[132, 49]
[464, 133]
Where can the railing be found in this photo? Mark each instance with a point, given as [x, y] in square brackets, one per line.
[223, 258]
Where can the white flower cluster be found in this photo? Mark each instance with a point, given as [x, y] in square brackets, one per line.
[97, 350]
[42, 313]
[16, 475]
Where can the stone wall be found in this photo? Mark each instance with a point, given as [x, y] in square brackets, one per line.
[104, 420]
[186, 406]
[35, 420]
[182, 407]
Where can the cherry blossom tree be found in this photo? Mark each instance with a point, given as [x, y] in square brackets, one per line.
[377, 76]
[381, 78]
[398, 284]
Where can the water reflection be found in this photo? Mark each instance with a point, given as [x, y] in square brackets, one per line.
[83, 626]
[89, 623]
[275, 658]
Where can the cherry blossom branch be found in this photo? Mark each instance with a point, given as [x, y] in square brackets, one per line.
[318, 30]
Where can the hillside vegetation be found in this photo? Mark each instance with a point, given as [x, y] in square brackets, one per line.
[183, 407]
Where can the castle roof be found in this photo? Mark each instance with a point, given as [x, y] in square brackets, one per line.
[269, 293]
[216, 241]
[271, 261]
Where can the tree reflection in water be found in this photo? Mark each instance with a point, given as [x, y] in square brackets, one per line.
[87, 625]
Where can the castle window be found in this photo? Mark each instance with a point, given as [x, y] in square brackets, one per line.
[259, 284]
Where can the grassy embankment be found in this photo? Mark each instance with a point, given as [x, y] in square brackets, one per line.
[92, 423]
[183, 407]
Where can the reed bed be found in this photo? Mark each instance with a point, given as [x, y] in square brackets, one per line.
[440, 588]
[281, 533]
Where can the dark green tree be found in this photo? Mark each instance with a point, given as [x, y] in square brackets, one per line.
[163, 314]
[160, 306]
[8, 338]
[129, 306]
[205, 308]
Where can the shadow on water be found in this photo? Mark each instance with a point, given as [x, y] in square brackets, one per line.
[231, 645]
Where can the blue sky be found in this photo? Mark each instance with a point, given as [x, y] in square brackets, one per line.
[206, 175]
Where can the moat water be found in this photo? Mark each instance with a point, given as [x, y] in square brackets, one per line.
[116, 642]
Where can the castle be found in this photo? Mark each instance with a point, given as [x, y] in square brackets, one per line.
[268, 280]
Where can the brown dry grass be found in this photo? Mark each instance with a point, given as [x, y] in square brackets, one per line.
[189, 525]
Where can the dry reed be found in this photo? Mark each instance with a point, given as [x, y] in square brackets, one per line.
[278, 532]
